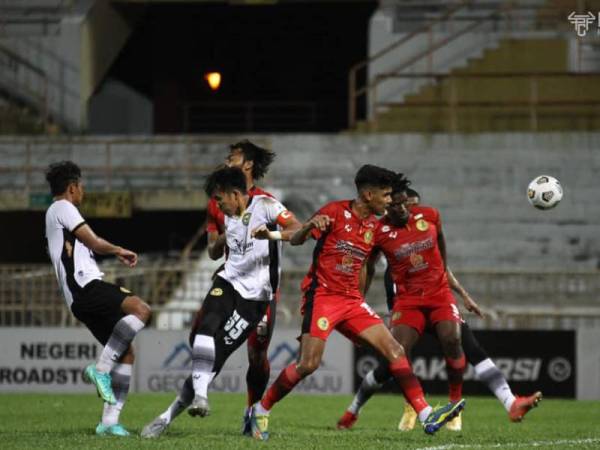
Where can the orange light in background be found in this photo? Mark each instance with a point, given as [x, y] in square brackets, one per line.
[213, 79]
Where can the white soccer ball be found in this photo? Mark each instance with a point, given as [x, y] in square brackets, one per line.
[544, 192]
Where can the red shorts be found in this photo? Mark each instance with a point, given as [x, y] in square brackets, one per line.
[428, 312]
[324, 313]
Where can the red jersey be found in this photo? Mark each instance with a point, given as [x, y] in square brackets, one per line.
[340, 251]
[417, 266]
[216, 219]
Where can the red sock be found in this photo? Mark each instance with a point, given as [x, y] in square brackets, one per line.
[286, 381]
[455, 369]
[411, 388]
[257, 379]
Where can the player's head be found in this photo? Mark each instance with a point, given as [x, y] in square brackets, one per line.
[227, 186]
[252, 159]
[412, 198]
[398, 209]
[64, 178]
[374, 187]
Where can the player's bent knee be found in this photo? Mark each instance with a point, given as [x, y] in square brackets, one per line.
[305, 368]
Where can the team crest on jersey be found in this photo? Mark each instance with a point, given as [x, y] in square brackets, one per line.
[368, 236]
[323, 323]
[124, 290]
[422, 225]
[216, 292]
[396, 316]
[246, 218]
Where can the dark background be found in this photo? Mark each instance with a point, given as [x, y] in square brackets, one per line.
[285, 53]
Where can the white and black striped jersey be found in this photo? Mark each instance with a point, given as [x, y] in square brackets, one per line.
[73, 262]
[253, 265]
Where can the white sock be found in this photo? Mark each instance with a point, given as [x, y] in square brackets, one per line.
[121, 378]
[367, 388]
[493, 377]
[261, 410]
[424, 414]
[118, 342]
[203, 359]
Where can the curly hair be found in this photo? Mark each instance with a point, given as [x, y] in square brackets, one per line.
[261, 157]
[225, 179]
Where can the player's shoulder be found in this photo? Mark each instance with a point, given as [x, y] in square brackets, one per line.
[337, 206]
[255, 190]
[425, 212]
[59, 207]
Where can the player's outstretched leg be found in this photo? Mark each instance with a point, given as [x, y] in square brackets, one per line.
[522, 405]
[155, 428]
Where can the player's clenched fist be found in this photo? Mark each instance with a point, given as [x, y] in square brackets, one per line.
[320, 222]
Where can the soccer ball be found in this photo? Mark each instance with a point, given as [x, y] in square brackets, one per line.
[544, 192]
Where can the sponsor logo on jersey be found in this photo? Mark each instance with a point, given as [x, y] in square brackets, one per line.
[124, 290]
[347, 214]
[323, 323]
[368, 236]
[347, 261]
[348, 228]
[422, 225]
[216, 292]
[246, 218]
[413, 247]
[385, 229]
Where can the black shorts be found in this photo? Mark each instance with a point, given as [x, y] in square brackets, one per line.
[98, 306]
[228, 317]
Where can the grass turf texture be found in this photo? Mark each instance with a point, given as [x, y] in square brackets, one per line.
[299, 422]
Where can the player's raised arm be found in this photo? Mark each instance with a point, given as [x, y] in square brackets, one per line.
[319, 222]
[101, 246]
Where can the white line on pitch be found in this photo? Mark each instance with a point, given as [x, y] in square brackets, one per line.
[563, 442]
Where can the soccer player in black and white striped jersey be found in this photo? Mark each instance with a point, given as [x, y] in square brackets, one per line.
[112, 313]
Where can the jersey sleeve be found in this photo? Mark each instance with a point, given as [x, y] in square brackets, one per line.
[69, 216]
[276, 213]
[436, 218]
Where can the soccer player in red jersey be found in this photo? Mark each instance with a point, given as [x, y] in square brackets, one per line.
[346, 234]
[487, 371]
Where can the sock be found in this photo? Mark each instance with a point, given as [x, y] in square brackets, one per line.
[203, 360]
[382, 373]
[286, 381]
[121, 378]
[257, 379]
[183, 400]
[367, 388]
[411, 388]
[118, 342]
[455, 369]
[489, 374]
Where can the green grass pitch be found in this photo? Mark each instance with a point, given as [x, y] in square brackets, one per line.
[43, 421]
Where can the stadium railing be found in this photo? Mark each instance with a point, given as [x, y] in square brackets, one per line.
[29, 295]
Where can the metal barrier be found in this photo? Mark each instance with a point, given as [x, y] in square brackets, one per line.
[29, 295]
